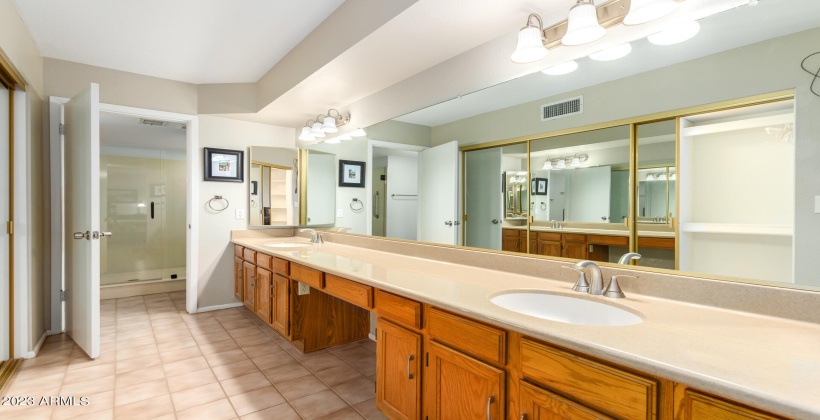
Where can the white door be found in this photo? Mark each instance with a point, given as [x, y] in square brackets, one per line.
[82, 219]
[484, 198]
[438, 194]
[5, 214]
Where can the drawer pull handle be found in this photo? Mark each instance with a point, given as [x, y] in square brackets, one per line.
[409, 359]
[489, 403]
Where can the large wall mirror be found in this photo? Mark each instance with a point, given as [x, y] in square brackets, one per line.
[275, 196]
[673, 156]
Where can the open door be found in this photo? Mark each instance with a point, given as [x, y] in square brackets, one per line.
[82, 219]
[438, 194]
[484, 198]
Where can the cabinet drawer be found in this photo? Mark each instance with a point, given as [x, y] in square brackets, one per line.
[699, 406]
[476, 339]
[510, 232]
[263, 260]
[398, 309]
[537, 403]
[249, 255]
[610, 390]
[662, 243]
[350, 291]
[574, 237]
[608, 240]
[237, 250]
[549, 236]
[280, 266]
[309, 276]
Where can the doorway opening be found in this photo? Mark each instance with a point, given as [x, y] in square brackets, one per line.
[394, 193]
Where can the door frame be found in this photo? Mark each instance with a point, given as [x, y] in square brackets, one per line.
[57, 192]
[368, 183]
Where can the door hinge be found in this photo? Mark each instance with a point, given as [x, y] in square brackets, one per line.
[62, 295]
[62, 129]
[464, 218]
[10, 227]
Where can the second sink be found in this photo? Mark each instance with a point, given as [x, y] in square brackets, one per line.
[566, 309]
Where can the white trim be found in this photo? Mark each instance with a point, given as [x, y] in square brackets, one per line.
[22, 227]
[33, 352]
[372, 336]
[55, 106]
[368, 183]
[218, 307]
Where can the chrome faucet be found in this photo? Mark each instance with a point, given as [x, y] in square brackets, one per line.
[315, 237]
[629, 256]
[343, 229]
[595, 286]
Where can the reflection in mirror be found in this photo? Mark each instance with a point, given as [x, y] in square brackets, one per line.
[656, 160]
[320, 204]
[273, 198]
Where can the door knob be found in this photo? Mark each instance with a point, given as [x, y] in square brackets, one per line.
[456, 223]
[81, 235]
[495, 221]
[448, 223]
[106, 234]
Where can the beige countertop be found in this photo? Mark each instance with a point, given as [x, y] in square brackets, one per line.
[767, 362]
[607, 232]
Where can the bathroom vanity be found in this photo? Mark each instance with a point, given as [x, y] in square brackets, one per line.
[446, 351]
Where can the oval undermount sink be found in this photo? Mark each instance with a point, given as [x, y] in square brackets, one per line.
[288, 244]
[566, 309]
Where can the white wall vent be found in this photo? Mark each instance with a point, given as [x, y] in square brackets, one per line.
[156, 123]
[563, 108]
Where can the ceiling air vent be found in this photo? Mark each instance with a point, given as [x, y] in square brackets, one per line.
[563, 108]
[157, 123]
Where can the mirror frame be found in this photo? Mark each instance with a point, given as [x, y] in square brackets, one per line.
[634, 122]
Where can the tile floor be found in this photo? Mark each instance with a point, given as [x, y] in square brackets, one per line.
[158, 362]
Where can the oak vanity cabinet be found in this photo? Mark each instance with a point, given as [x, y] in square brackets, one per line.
[238, 279]
[547, 243]
[249, 280]
[691, 404]
[511, 240]
[280, 313]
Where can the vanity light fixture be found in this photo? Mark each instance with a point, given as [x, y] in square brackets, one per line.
[612, 53]
[345, 137]
[675, 34]
[306, 136]
[359, 132]
[547, 165]
[642, 11]
[662, 176]
[561, 164]
[576, 162]
[316, 130]
[582, 24]
[560, 69]
[531, 40]
[650, 177]
[564, 162]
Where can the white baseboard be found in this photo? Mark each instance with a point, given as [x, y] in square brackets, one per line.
[372, 336]
[218, 307]
[37, 346]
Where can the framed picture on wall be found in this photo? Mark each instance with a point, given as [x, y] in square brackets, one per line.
[541, 187]
[224, 165]
[351, 173]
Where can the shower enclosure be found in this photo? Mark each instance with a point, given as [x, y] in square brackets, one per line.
[142, 200]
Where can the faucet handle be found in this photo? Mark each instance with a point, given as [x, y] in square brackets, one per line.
[582, 285]
[614, 289]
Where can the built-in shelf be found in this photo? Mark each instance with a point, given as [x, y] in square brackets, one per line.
[699, 130]
[739, 229]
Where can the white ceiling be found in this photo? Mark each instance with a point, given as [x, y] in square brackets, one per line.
[195, 41]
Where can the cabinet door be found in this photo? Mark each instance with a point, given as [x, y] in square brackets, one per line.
[238, 279]
[281, 305]
[249, 279]
[510, 243]
[539, 404]
[575, 250]
[533, 242]
[693, 405]
[398, 385]
[549, 248]
[263, 294]
[460, 387]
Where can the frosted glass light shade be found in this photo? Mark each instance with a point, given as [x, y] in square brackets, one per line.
[316, 130]
[306, 136]
[563, 68]
[576, 162]
[333, 140]
[613, 53]
[582, 24]
[547, 165]
[560, 164]
[329, 125]
[642, 11]
[675, 34]
[530, 46]
[345, 137]
[358, 133]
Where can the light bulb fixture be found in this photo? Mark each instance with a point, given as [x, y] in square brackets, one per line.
[560, 69]
[531, 38]
[329, 125]
[675, 34]
[576, 162]
[359, 132]
[672, 176]
[316, 130]
[561, 164]
[612, 53]
[662, 176]
[547, 165]
[582, 24]
[642, 11]
[650, 177]
[140, 204]
[306, 136]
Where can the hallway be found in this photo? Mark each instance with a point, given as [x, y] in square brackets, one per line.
[158, 362]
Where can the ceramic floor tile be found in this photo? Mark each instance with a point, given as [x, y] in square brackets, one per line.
[193, 397]
[140, 376]
[338, 374]
[216, 410]
[26, 412]
[245, 383]
[148, 409]
[233, 370]
[285, 372]
[356, 390]
[344, 414]
[21, 385]
[135, 342]
[212, 337]
[319, 404]
[42, 370]
[99, 415]
[274, 359]
[300, 387]
[84, 388]
[369, 411]
[321, 362]
[227, 357]
[190, 380]
[219, 347]
[280, 412]
[263, 350]
[185, 366]
[171, 320]
[184, 353]
[96, 403]
[256, 400]
[181, 343]
[139, 392]
[137, 363]
[254, 340]
[127, 353]
[88, 373]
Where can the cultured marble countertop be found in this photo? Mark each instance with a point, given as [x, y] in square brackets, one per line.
[767, 362]
[607, 232]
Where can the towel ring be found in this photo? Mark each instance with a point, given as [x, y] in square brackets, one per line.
[218, 197]
[357, 208]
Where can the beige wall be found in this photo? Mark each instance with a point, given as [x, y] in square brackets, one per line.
[401, 132]
[17, 45]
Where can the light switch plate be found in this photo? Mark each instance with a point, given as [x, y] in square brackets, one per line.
[303, 289]
[240, 214]
[817, 203]
[340, 213]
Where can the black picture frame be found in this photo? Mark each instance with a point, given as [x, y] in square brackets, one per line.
[534, 186]
[542, 182]
[230, 165]
[352, 173]
[253, 187]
